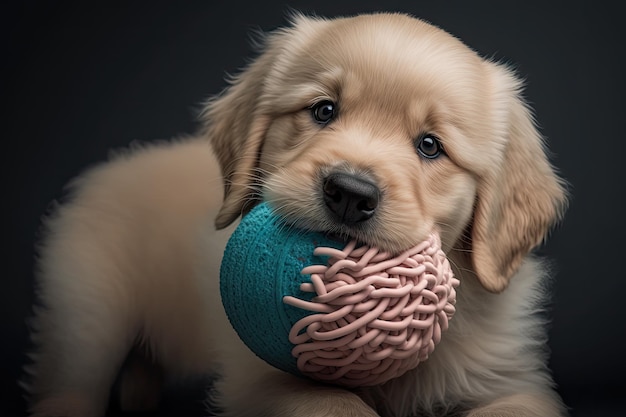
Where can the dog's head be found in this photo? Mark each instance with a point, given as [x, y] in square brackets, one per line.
[382, 128]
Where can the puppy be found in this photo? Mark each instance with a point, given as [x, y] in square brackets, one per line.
[421, 133]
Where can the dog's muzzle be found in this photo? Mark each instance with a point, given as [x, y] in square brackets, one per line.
[350, 198]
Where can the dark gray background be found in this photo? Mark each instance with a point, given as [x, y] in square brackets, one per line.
[80, 78]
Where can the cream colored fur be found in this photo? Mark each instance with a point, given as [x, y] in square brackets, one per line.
[133, 258]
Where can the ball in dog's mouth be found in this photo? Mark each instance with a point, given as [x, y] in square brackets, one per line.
[342, 313]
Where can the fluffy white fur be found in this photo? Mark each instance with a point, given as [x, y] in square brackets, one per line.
[132, 260]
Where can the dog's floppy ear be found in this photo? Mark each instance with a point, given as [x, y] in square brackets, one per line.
[235, 127]
[236, 121]
[519, 200]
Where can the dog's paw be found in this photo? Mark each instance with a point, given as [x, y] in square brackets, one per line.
[315, 401]
[332, 403]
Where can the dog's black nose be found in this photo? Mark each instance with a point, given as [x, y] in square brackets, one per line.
[350, 197]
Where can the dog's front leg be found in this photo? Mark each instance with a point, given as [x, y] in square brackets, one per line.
[522, 405]
[281, 395]
[251, 388]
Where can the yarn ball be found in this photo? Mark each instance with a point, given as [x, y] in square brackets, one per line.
[337, 312]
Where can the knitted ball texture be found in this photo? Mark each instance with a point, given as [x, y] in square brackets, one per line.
[341, 313]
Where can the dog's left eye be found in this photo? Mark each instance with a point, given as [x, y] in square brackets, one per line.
[324, 111]
[428, 146]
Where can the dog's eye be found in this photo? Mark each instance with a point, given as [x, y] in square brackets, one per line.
[428, 146]
[324, 111]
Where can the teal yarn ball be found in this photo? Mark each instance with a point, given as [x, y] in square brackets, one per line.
[346, 314]
[261, 264]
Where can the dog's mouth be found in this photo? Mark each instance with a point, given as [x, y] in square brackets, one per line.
[369, 233]
[344, 238]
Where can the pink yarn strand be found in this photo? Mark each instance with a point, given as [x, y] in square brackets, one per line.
[377, 315]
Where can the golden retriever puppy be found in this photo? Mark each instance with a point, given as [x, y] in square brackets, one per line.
[377, 127]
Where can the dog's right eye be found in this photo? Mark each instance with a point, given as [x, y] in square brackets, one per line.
[324, 111]
[428, 146]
